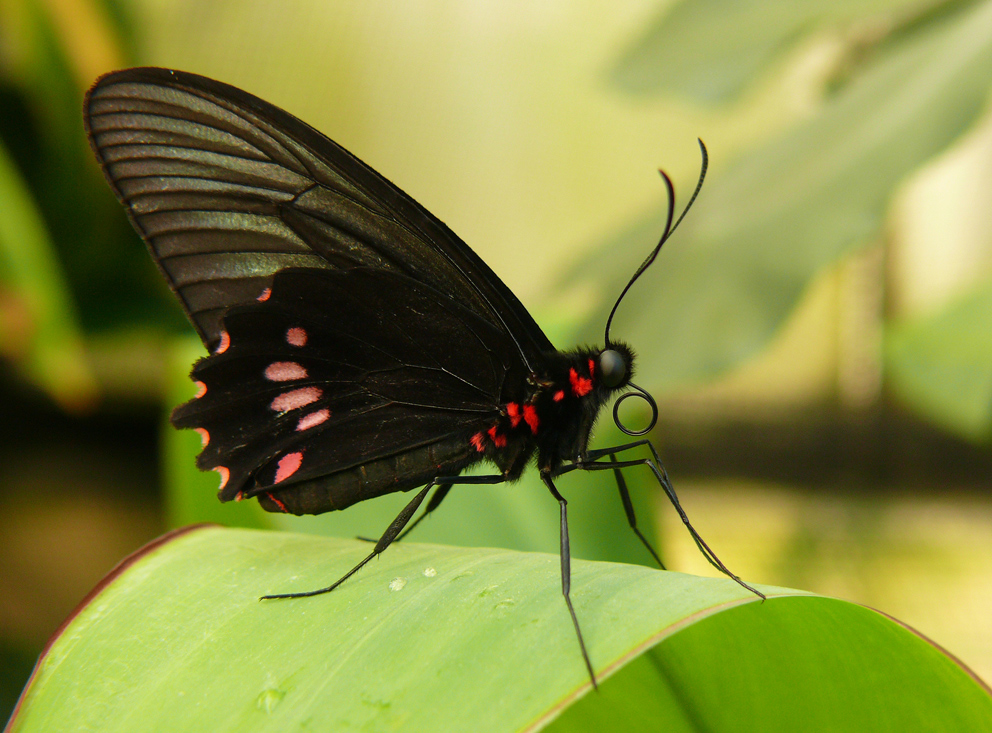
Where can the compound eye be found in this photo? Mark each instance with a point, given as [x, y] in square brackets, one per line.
[612, 367]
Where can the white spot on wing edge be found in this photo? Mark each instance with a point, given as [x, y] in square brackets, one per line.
[204, 437]
[224, 476]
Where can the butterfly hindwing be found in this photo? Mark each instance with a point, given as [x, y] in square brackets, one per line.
[333, 370]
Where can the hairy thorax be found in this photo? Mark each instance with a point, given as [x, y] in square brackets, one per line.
[551, 414]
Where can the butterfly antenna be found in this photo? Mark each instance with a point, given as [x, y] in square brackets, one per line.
[669, 230]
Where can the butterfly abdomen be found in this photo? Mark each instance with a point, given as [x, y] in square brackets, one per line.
[402, 472]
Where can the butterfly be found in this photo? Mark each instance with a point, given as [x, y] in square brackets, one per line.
[357, 346]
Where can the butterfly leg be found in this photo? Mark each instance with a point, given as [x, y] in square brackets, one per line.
[662, 476]
[628, 507]
[566, 571]
[395, 528]
[385, 541]
[436, 498]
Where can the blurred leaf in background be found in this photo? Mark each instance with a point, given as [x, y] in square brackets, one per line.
[38, 325]
[780, 213]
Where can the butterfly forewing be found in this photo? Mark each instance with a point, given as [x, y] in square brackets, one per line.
[227, 189]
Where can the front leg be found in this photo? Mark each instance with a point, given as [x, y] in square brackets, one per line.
[628, 505]
[590, 463]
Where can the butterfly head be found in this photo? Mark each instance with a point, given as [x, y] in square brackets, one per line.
[615, 366]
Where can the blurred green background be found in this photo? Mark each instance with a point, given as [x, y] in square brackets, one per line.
[817, 334]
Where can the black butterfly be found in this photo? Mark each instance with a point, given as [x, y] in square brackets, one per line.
[358, 346]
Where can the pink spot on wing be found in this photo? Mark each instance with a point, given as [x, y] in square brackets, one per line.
[266, 294]
[531, 418]
[284, 371]
[225, 343]
[201, 389]
[478, 441]
[204, 437]
[224, 476]
[296, 399]
[313, 420]
[240, 496]
[288, 465]
[296, 337]
[559, 395]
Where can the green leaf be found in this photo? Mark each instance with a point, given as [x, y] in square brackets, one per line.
[764, 226]
[442, 639]
[941, 365]
[790, 664]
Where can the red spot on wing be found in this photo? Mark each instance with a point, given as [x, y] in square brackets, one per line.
[282, 507]
[204, 437]
[479, 441]
[592, 367]
[581, 386]
[296, 336]
[498, 440]
[288, 465]
[201, 389]
[559, 395]
[266, 294]
[224, 476]
[531, 418]
[225, 343]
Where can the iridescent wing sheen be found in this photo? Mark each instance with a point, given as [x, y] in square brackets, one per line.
[227, 189]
